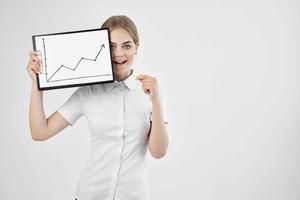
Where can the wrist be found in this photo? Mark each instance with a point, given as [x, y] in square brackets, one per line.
[156, 101]
[34, 86]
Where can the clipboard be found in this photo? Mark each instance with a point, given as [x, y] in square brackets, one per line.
[73, 59]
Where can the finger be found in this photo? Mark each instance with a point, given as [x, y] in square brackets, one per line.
[32, 71]
[140, 77]
[147, 80]
[31, 65]
[35, 58]
[34, 55]
[38, 70]
[148, 84]
[34, 64]
[31, 53]
[35, 67]
[37, 53]
[147, 88]
[146, 91]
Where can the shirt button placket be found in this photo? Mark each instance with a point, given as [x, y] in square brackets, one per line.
[122, 109]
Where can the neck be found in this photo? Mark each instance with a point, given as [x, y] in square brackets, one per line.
[122, 77]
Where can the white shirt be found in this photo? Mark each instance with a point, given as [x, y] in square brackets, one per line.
[118, 115]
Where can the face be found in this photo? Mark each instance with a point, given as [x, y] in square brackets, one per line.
[123, 51]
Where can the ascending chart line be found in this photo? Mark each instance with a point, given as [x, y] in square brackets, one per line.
[71, 69]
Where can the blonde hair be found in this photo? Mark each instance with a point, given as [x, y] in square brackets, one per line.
[122, 21]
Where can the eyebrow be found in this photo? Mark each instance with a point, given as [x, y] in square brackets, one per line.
[127, 42]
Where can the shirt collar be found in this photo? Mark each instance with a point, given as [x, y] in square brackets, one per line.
[130, 82]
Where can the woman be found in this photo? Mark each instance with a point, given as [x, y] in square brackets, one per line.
[124, 117]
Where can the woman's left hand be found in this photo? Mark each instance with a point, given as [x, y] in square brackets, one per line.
[150, 86]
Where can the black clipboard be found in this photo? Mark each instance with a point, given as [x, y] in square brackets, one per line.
[88, 61]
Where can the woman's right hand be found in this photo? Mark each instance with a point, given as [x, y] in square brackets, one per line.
[34, 64]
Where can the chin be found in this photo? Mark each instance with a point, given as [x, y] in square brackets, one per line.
[122, 70]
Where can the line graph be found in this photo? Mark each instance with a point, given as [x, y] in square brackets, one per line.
[80, 61]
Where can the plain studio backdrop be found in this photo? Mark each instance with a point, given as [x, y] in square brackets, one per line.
[229, 70]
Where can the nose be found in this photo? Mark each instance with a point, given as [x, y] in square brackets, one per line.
[118, 52]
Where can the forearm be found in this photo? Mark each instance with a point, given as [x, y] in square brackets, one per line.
[37, 118]
[158, 139]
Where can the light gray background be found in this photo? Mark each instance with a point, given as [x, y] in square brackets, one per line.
[229, 69]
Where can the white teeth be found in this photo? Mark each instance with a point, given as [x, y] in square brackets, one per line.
[121, 62]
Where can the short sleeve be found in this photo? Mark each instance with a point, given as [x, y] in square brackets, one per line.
[72, 109]
[164, 104]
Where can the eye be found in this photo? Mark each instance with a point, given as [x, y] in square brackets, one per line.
[127, 46]
[112, 46]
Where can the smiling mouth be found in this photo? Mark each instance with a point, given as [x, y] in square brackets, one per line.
[119, 62]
